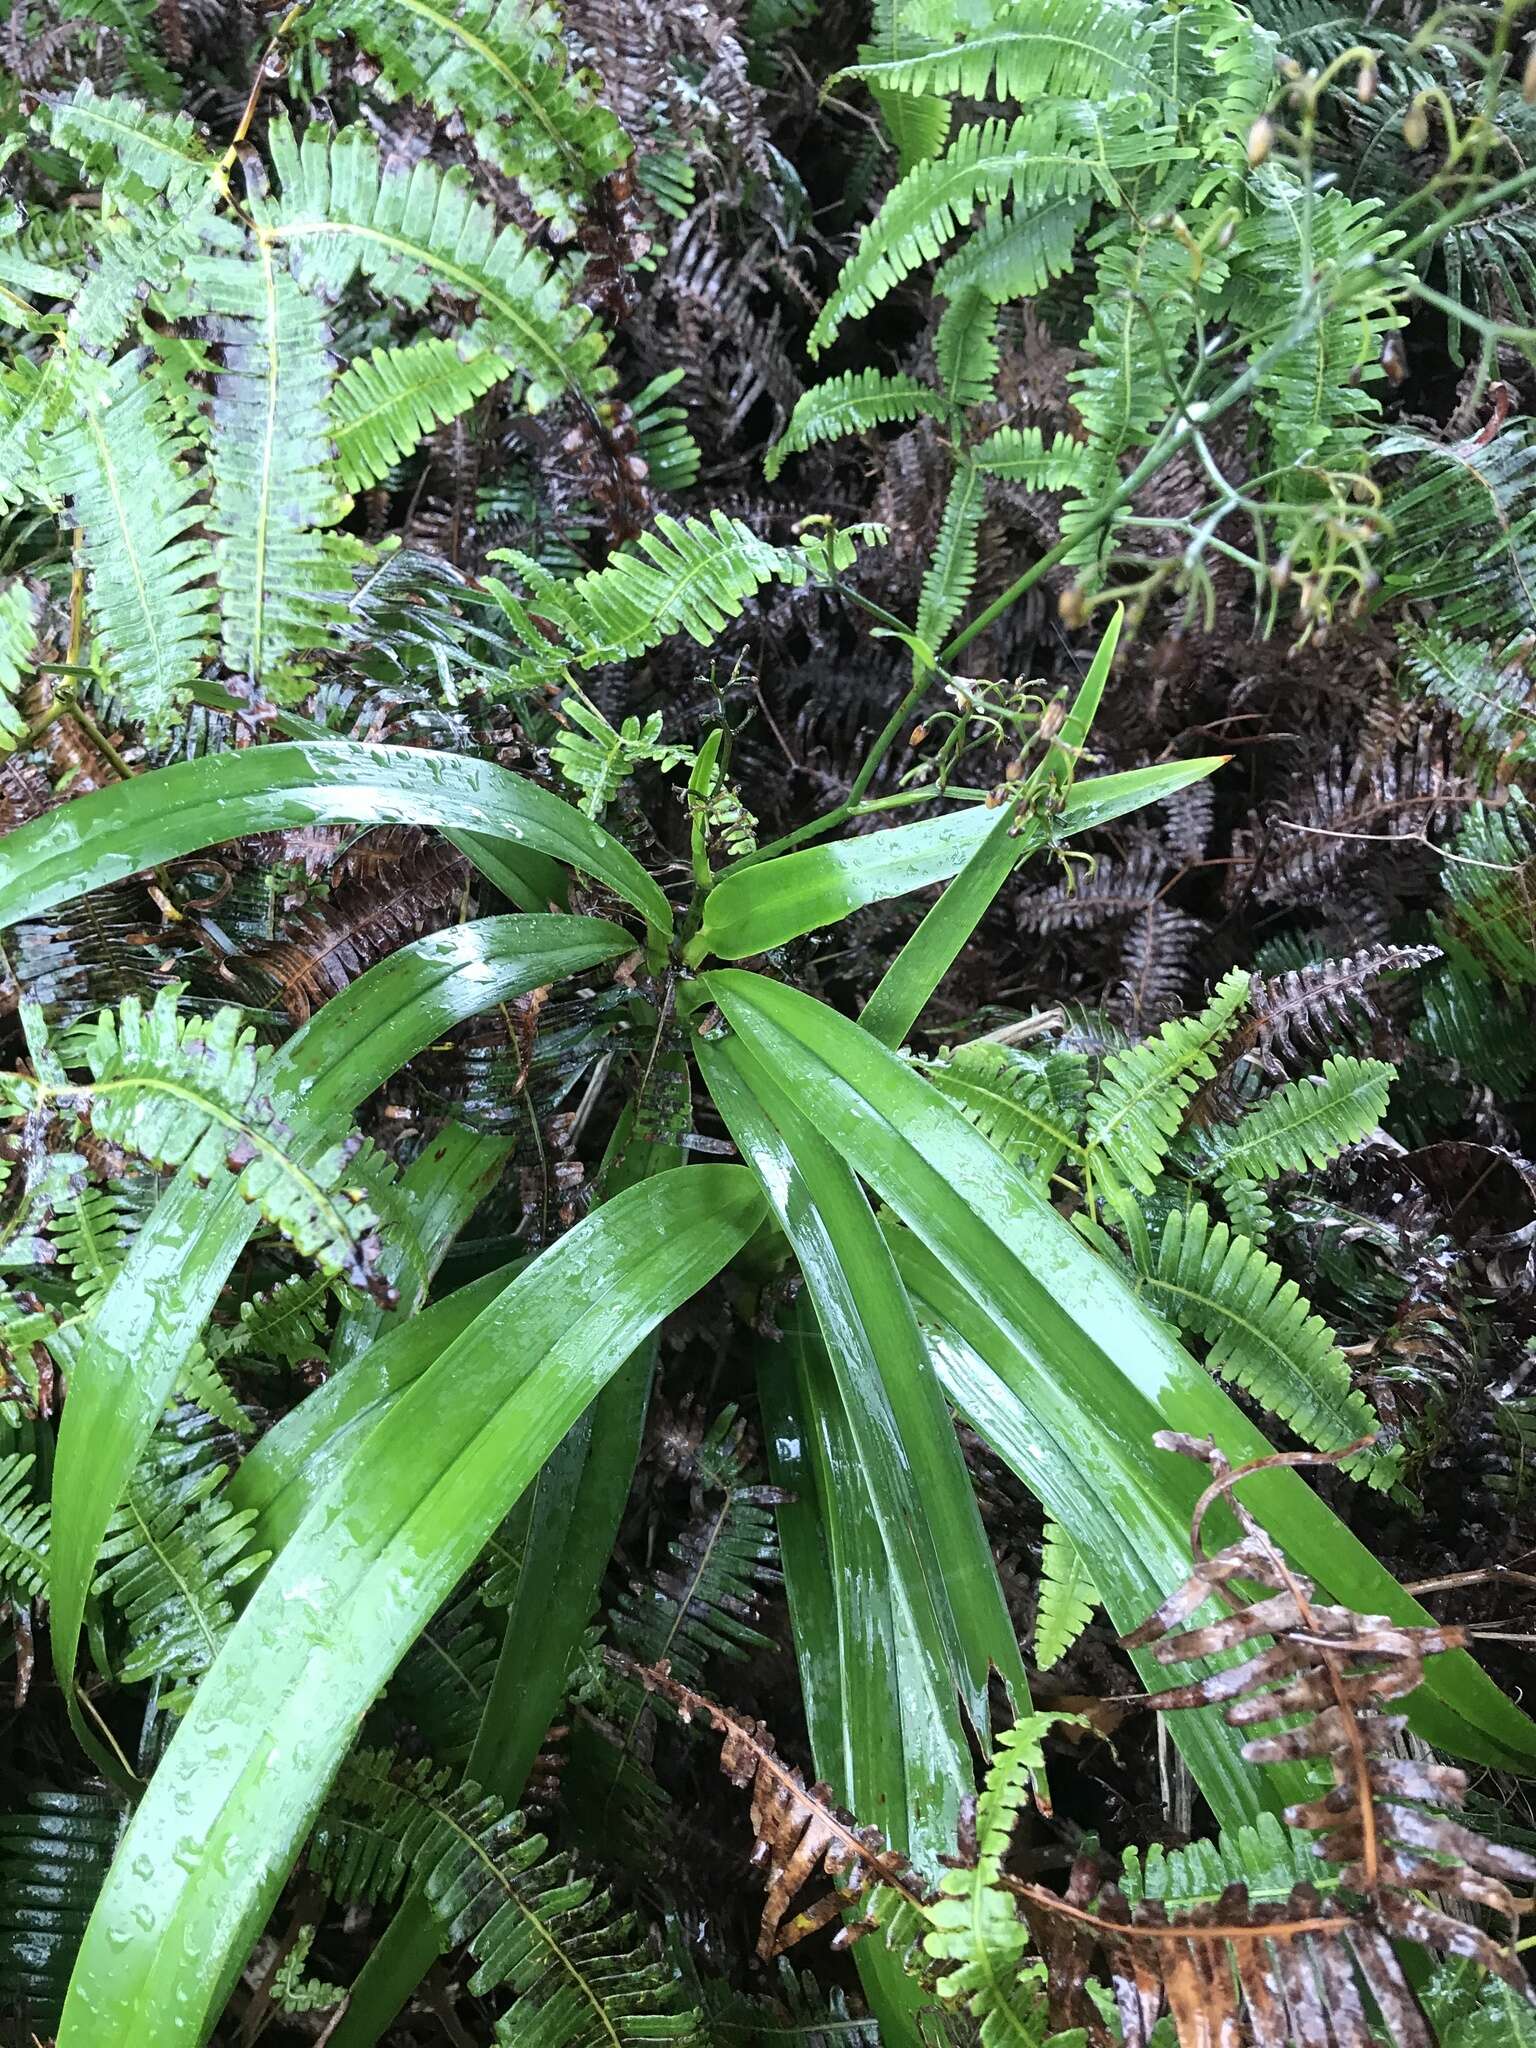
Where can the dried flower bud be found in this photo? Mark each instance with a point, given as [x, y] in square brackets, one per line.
[1394, 358]
[1072, 606]
[917, 735]
[1013, 771]
[1280, 572]
[1228, 231]
[1415, 127]
[1261, 140]
[1367, 82]
[1528, 78]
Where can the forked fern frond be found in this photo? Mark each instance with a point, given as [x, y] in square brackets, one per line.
[499, 67]
[850, 404]
[385, 403]
[1262, 1333]
[1137, 1108]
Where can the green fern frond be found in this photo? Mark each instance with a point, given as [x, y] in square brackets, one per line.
[1074, 49]
[965, 347]
[1494, 699]
[1138, 1107]
[1305, 1123]
[1029, 1105]
[174, 1553]
[1016, 255]
[849, 404]
[597, 758]
[1030, 160]
[662, 440]
[1467, 1024]
[271, 462]
[53, 1861]
[117, 461]
[1268, 1858]
[385, 403]
[1022, 455]
[1067, 1597]
[1464, 522]
[500, 67]
[974, 1933]
[918, 124]
[285, 1325]
[292, 1991]
[18, 638]
[444, 1680]
[1262, 1333]
[684, 576]
[130, 150]
[1490, 886]
[24, 1526]
[951, 573]
[415, 230]
[527, 1917]
[189, 1091]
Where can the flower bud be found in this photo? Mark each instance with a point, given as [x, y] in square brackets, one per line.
[917, 735]
[1367, 82]
[1415, 127]
[1528, 78]
[1071, 606]
[1261, 140]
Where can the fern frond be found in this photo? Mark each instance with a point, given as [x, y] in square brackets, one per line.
[385, 403]
[527, 1917]
[1465, 1023]
[596, 758]
[1029, 1105]
[951, 573]
[917, 123]
[283, 1326]
[24, 1525]
[1022, 455]
[974, 1934]
[965, 347]
[1262, 1333]
[415, 230]
[18, 638]
[1268, 1858]
[849, 404]
[1074, 49]
[117, 461]
[129, 149]
[500, 67]
[189, 1091]
[1138, 1107]
[1305, 1123]
[174, 1553]
[1464, 521]
[1016, 255]
[1490, 886]
[53, 1860]
[1067, 1597]
[441, 1686]
[1039, 156]
[1494, 699]
[685, 576]
[271, 457]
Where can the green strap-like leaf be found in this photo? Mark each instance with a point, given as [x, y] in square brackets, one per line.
[193, 804]
[1060, 1305]
[210, 1845]
[753, 908]
[154, 1312]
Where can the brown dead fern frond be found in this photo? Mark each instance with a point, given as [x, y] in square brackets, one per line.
[799, 1832]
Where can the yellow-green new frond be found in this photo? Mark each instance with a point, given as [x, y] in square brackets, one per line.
[1067, 1597]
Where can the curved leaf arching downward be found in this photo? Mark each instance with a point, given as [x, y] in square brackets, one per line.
[156, 1308]
[207, 1851]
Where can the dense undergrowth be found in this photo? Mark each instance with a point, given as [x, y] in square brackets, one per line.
[764, 776]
